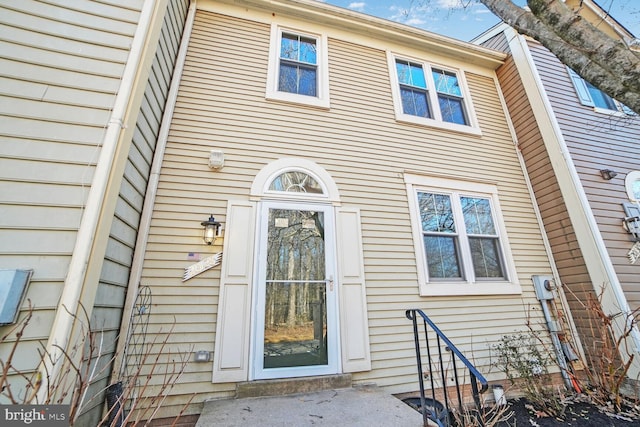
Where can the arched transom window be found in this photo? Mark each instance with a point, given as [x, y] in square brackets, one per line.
[296, 182]
[295, 179]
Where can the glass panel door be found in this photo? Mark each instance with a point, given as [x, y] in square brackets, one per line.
[295, 331]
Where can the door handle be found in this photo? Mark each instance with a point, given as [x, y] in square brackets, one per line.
[330, 283]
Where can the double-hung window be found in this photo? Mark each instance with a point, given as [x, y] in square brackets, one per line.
[461, 244]
[591, 96]
[431, 95]
[450, 97]
[298, 68]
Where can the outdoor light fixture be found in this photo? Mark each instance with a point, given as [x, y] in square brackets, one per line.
[216, 159]
[608, 174]
[211, 229]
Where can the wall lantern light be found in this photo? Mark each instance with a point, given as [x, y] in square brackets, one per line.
[608, 174]
[211, 230]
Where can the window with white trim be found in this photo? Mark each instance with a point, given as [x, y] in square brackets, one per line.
[431, 95]
[632, 185]
[460, 238]
[298, 67]
[591, 96]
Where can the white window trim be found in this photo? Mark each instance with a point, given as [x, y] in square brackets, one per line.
[632, 177]
[582, 91]
[322, 98]
[508, 286]
[436, 121]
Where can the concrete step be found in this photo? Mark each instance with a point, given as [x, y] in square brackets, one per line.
[282, 387]
[365, 406]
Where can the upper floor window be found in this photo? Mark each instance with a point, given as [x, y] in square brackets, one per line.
[431, 95]
[298, 65]
[298, 68]
[462, 245]
[593, 97]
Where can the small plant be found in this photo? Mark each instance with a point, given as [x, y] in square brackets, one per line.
[525, 362]
[487, 416]
[605, 368]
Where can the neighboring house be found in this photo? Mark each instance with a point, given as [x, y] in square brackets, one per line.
[369, 168]
[82, 88]
[582, 150]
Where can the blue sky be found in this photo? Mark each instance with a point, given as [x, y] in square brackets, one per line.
[447, 18]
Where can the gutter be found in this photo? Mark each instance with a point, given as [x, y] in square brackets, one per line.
[80, 285]
[152, 190]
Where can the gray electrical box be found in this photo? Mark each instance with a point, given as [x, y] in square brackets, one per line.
[543, 286]
[13, 284]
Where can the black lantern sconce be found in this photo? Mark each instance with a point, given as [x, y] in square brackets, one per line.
[211, 230]
[608, 174]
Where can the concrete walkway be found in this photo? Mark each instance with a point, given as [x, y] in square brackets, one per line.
[354, 407]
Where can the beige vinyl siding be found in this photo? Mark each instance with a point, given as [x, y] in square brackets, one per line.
[221, 104]
[59, 74]
[567, 255]
[597, 141]
[114, 277]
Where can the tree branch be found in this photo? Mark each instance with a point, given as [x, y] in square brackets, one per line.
[604, 62]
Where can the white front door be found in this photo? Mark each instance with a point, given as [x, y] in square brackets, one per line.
[295, 329]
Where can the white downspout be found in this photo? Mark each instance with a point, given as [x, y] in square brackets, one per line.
[152, 190]
[564, 161]
[68, 305]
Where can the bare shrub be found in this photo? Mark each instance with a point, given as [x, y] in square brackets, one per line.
[142, 392]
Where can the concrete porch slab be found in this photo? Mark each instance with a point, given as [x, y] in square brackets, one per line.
[355, 407]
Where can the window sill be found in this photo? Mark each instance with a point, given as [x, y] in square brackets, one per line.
[421, 121]
[615, 113]
[466, 288]
[291, 98]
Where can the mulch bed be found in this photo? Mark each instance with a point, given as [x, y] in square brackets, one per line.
[578, 413]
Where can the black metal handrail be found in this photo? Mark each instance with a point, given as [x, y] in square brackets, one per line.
[475, 376]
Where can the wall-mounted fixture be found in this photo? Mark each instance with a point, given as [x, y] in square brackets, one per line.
[211, 230]
[631, 221]
[608, 174]
[632, 225]
[216, 159]
[13, 286]
[201, 356]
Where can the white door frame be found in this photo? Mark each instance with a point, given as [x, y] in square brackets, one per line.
[257, 370]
